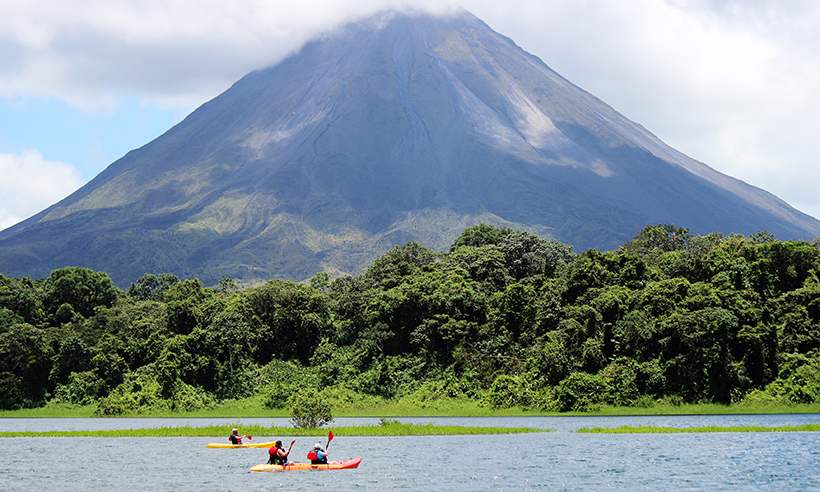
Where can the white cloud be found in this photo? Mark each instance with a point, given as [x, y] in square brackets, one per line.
[31, 184]
[177, 52]
[732, 84]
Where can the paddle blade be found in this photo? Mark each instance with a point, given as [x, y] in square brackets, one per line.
[250, 437]
[329, 436]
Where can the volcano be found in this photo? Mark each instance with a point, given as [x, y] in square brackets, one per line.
[399, 127]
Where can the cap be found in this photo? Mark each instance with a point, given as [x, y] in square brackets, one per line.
[235, 431]
[317, 446]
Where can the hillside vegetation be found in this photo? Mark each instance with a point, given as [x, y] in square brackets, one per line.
[503, 318]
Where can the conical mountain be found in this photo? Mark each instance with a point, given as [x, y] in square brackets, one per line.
[399, 127]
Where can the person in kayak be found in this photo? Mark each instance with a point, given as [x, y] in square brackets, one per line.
[235, 438]
[318, 456]
[278, 456]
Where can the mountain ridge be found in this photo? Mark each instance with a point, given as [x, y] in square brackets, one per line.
[401, 127]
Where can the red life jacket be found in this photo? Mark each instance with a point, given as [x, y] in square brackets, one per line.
[274, 458]
[312, 455]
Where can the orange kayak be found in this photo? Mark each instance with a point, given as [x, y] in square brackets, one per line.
[333, 465]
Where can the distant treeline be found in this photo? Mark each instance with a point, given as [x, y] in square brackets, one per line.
[504, 318]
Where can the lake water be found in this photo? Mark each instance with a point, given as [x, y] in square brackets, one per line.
[556, 460]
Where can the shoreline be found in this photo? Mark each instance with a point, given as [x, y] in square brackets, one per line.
[250, 409]
[385, 428]
[396, 429]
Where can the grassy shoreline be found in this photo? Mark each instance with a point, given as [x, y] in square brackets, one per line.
[253, 408]
[390, 428]
[697, 430]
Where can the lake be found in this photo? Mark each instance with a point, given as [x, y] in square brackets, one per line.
[556, 460]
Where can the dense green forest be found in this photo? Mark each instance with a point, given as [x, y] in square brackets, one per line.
[504, 318]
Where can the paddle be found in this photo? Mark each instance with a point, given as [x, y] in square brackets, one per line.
[329, 438]
[287, 461]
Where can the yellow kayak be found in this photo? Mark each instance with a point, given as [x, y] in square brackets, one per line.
[249, 445]
[333, 465]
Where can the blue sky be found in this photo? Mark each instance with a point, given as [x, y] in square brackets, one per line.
[88, 141]
[732, 84]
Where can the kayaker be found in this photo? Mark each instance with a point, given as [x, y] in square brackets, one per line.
[278, 456]
[235, 437]
[318, 456]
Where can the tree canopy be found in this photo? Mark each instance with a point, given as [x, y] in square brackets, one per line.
[503, 317]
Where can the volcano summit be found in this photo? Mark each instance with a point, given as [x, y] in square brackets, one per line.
[400, 127]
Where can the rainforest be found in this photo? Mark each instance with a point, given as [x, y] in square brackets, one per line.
[503, 319]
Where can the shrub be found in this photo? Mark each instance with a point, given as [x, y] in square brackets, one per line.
[142, 393]
[187, 398]
[282, 379]
[511, 391]
[275, 395]
[83, 388]
[762, 398]
[309, 410]
[137, 394]
[581, 392]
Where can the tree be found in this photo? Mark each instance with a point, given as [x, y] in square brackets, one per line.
[184, 302]
[652, 241]
[400, 261]
[762, 237]
[72, 356]
[108, 361]
[797, 318]
[223, 351]
[590, 270]
[22, 298]
[527, 255]
[320, 282]
[695, 351]
[8, 318]
[25, 362]
[786, 265]
[293, 319]
[515, 310]
[150, 287]
[81, 288]
[227, 286]
[480, 235]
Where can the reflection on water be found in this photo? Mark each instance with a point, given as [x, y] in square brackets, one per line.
[559, 460]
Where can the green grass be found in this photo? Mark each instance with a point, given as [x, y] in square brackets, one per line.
[389, 428]
[51, 411]
[706, 409]
[709, 428]
[253, 408]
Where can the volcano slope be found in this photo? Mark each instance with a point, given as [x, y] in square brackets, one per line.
[400, 127]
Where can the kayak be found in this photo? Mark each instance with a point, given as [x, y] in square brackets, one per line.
[249, 445]
[333, 465]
